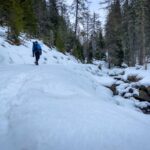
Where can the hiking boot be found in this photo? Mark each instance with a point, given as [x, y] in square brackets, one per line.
[36, 63]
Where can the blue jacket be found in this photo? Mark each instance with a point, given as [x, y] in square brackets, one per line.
[36, 48]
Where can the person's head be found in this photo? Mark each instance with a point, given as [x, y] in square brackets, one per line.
[35, 42]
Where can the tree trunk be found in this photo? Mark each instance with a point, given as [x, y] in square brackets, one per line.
[143, 59]
[76, 16]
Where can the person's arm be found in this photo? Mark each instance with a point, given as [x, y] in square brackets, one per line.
[40, 49]
[33, 51]
[41, 52]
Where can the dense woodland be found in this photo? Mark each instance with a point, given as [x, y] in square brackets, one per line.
[125, 38]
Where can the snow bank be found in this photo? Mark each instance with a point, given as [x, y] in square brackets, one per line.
[143, 74]
[12, 54]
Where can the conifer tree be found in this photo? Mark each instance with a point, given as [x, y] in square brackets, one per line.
[114, 34]
[4, 12]
[29, 19]
[15, 20]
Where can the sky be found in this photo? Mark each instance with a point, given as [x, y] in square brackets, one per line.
[95, 7]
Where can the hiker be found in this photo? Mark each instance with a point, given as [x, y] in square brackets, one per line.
[37, 51]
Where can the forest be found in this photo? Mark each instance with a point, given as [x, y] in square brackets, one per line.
[124, 40]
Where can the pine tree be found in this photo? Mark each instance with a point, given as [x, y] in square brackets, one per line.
[147, 29]
[41, 14]
[15, 20]
[4, 12]
[136, 30]
[114, 34]
[78, 6]
[29, 19]
[100, 53]
[61, 36]
[54, 17]
[125, 25]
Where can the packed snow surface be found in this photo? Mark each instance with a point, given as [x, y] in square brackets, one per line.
[63, 105]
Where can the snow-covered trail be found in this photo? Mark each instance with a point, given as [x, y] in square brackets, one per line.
[60, 107]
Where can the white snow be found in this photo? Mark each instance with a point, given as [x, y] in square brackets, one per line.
[141, 73]
[62, 105]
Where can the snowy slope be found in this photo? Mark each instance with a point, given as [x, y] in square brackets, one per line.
[11, 54]
[63, 105]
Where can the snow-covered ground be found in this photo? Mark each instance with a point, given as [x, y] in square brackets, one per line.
[63, 105]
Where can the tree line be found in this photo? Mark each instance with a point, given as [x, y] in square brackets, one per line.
[125, 38]
[128, 32]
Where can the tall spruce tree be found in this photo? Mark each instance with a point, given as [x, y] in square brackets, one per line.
[4, 12]
[15, 20]
[29, 20]
[114, 34]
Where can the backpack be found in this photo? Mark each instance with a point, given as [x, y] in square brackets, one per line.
[37, 47]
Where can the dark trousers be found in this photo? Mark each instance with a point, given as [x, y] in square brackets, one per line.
[37, 56]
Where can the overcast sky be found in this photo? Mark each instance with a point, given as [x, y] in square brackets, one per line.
[95, 7]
